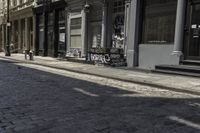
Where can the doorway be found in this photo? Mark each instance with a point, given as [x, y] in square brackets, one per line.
[50, 34]
[192, 48]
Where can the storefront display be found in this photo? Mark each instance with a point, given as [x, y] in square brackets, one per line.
[95, 25]
[61, 33]
[118, 35]
[159, 21]
[41, 35]
[50, 34]
[50, 26]
[75, 37]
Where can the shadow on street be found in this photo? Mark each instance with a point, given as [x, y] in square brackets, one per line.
[35, 101]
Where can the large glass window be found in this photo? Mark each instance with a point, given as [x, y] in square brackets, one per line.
[95, 25]
[118, 24]
[41, 33]
[50, 32]
[76, 33]
[61, 24]
[1, 39]
[159, 17]
[119, 6]
[96, 34]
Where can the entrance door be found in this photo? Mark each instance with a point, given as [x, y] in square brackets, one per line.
[50, 41]
[50, 34]
[193, 36]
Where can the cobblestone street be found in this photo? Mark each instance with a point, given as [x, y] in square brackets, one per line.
[36, 99]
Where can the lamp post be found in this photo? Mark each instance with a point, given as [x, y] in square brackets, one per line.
[8, 31]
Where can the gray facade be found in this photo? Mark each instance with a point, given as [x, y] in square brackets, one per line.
[50, 27]
[3, 8]
[21, 25]
[150, 33]
[96, 24]
[159, 30]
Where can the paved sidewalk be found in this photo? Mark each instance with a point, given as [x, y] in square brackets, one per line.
[171, 82]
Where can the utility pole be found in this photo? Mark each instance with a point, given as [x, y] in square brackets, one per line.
[8, 30]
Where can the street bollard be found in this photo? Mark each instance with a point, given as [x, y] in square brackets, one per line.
[31, 55]
[25, 53]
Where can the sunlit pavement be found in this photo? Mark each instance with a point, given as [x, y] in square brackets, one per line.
[172, 82]
[36, 99]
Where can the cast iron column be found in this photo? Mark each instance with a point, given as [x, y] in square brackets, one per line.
[133, 33]
[84, 33]
[19, 36]
[8, 30]
[104, 25]
[34, 33]
[179, 30]
[27, 32]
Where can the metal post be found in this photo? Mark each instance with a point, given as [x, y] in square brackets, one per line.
[8, 30]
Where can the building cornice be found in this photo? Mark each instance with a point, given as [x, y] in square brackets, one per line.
[29, 3]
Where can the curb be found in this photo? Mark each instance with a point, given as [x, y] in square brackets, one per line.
[144, 83]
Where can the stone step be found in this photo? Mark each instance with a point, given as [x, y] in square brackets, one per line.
[187, 70]
[191, 62]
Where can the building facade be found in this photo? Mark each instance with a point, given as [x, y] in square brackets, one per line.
[73, 27]
[3, 15]
[100, 23]
[22, 22]
[150, 32]
[50, 28]
[21, 25]
[163, 32]
[145, 30]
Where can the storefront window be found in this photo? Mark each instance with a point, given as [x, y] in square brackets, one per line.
[23, 33]
[118, 24]
[119, 6]
[1, 39]
[50, 34]
[76, 33]
[62, 39]
[41, 33]
[95, 25]
[96, 34]
[159, 18]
